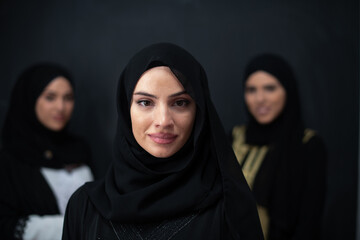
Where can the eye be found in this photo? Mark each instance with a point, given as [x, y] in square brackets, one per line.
[50, 97]
[270, 88]
[250, 89]
[182, 103]
[144, 103]
[69, 97]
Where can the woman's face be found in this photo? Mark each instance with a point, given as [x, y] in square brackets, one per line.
[162, 113]
[54, 106]
[265, 97]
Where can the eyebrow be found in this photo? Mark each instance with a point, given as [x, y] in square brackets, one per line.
[153, 96]
[52, 92]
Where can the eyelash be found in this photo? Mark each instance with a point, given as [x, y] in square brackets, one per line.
[69, 97]
[66, 98]
[182, 103]
[250, 90]
[50, 98]
[144, 103]
[270, 88]
[266, 88]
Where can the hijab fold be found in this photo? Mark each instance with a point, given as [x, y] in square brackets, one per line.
[140, 188]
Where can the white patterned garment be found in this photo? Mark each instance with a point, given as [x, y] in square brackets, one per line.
[64, 183]
[48, 227]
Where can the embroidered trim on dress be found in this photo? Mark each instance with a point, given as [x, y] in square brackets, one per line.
[162, 231]
[20, 228]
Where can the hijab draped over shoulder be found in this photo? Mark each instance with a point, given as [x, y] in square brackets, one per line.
[140, 188]
[25, 138]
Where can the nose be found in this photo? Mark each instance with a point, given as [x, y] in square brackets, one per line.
[163, 117]
[60, 104]
[260, 96]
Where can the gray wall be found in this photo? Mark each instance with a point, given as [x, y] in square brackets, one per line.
[95, 39]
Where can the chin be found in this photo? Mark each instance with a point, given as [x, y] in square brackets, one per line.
[264, 121]
[56, 128]
[162, 154]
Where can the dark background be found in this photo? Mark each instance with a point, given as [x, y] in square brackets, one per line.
[95, 39]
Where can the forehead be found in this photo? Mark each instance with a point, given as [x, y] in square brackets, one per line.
[158, 79]
[260, 78]
[59, 84]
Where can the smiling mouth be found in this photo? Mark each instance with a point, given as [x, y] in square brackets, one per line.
[262, 111]
[163, 138]
[59, 118]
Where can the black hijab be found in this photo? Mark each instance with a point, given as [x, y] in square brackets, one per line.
[140, 188]
[278, 185]
[288, 125]
[25, 138]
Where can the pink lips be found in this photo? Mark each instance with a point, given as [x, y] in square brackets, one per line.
[163, 138]
[59, 118]
[262, 110]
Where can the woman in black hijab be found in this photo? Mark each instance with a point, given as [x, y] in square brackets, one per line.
[41, 163]
[283, 162]
[175, 175]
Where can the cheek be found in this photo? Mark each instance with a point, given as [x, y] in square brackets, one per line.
[135, 126]
[249, 101]
[138, 122]
[70, 108]
[280, 101]
[187, 122]
[133, 120]
[41, 110]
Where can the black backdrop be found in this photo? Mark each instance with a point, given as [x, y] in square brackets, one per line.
[95, 39]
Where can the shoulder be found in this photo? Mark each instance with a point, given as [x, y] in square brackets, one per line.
[308, 135]
[312, 139]
[77, 206]
[79, 198]
[75, 215]
[314, 145]
[80, 203]
[81, 216]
